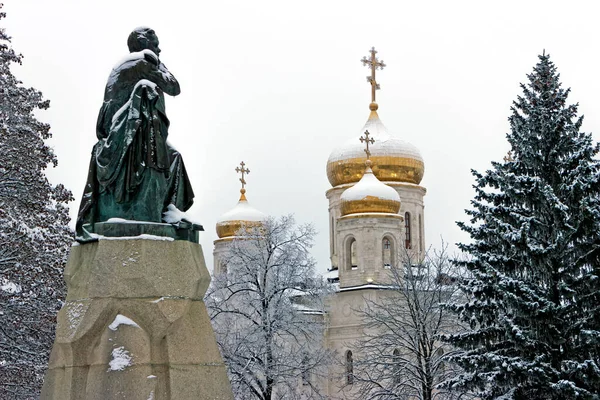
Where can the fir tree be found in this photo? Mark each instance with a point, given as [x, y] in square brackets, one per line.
[34, 235]
[534, 295]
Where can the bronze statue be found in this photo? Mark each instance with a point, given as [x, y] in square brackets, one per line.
[134, 173]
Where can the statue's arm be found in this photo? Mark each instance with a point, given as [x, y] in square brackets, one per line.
[171, 85]
[156, 72]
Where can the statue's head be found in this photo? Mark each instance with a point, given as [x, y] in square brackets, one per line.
[143, 38]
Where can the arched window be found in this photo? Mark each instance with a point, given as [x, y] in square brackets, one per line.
[349, 368]
[396, 365]
[388, 252]
[407, 240]
[331, 237]
[305, 371]
[353, 258]
[350, 254]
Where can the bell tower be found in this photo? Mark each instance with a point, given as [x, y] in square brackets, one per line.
[367, 235]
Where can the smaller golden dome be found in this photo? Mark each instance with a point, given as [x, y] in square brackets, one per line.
[370, 195]
[241, 216]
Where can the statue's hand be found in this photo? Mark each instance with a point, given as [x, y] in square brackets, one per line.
[151, 57]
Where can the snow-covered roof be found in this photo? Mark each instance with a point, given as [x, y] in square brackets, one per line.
[307, 310]
[370, 186]
[242, 212]
[332, 274]
[367, 286]
[385, 144]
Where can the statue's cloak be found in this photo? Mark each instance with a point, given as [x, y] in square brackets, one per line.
[135, 142]
[134, 174]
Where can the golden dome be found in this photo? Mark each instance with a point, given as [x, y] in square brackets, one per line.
[394, 160]
[370, 195]
[242, 215]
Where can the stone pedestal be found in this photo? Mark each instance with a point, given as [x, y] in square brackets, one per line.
[134, 325]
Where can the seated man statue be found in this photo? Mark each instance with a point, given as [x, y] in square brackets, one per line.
[134, 173]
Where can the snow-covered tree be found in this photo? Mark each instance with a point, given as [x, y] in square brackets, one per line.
[401, 354]
[533, 302]
[34, 235]
[266, 310]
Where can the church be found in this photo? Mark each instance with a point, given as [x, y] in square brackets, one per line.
[376, 217]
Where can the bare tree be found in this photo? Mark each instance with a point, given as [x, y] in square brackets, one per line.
[266, 310]
[401, 355]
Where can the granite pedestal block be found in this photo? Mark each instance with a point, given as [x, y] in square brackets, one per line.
[134, 325]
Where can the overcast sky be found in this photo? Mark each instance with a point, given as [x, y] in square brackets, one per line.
[279, 84]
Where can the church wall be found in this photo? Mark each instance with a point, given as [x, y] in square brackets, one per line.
[411, 197]
[364, 264]
[345, 329]
[221, 247]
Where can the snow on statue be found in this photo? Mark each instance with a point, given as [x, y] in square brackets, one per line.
[134, 173]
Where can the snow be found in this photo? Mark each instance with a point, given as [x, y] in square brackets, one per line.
[332, 274]
[307, 310]
[173, 215]
[75, 311]
[120, 111]
[242, 212]
[367, 286]
[130, 221]
[10, 287]
[121, 320]
[385, 145]
[136, 55]
[144, 82]
[121, 359]
[370, 186]
[139, 237]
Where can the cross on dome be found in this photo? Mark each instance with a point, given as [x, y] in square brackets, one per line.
[243, 171]
[366, 139]
[374, 64]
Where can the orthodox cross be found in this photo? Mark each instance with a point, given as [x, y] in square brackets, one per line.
[243, 171]
[508, 157]
[368, 140]
[374, 64]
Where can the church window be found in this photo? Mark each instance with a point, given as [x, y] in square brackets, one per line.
[396, 365]
[350, 259]
[388, 253]
[407, 240]
[305, 371]
[349, 368]
[331, 237]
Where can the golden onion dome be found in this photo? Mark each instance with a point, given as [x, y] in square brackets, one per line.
[242, 215]
[394, 160]
[370, 195]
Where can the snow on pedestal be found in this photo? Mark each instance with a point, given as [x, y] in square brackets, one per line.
[134, 325]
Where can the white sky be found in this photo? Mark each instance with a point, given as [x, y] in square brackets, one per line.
[279, 84]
